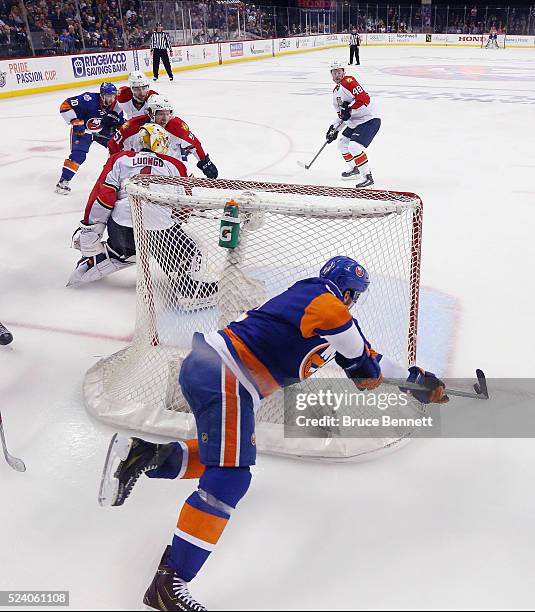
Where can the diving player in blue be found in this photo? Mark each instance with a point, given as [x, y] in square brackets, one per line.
[223, 379]
[92, 116]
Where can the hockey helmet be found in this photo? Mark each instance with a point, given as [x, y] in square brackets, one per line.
[138, 79]
[108, 92]
[156, 103]
[337, 71]
[347, 274]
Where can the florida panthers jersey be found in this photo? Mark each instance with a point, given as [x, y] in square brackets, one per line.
[87, 107]
[180, 137]
[128, 104]
[290, 336]
[362, 108]
[109, 196]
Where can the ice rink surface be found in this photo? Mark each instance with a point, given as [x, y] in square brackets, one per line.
[440, 524]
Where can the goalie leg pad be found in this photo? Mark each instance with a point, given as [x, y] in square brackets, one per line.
[91, 269]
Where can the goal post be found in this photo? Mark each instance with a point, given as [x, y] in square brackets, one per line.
[488, 43]
[187, 283]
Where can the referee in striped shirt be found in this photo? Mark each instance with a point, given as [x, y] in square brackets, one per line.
[160, 48]
[354, 44]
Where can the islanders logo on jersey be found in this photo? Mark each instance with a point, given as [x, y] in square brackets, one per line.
[93, 124]
[315, 359]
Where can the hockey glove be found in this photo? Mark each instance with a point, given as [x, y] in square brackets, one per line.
[110, 122]
[345, 112]
[332, 134]
[434, 392]
[365, 370]
[208, 168]
[101, 138]
[78, 127]
[88, 239]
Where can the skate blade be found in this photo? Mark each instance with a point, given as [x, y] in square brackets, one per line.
[355, 177]
[109, 485]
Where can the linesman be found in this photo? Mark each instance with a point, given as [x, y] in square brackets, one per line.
[354, 44]
[160, 48]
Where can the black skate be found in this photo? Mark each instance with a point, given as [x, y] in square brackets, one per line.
[133, 457]
[169, 592]
[351, 174]
[5, 335]
[367, 182]
[63, 187]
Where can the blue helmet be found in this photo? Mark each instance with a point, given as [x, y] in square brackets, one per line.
[108, 88]
[346, 274]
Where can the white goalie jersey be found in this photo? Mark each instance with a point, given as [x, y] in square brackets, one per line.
[109, 196]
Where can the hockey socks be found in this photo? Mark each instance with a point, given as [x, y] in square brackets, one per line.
[183, 462]
[204, 517]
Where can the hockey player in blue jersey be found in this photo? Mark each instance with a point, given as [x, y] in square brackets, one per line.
[223, 379]
[92, 117]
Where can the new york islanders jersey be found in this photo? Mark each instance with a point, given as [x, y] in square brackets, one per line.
[130, 106]
[109, 196]
[180, 137]
[88, 108]
[362, 108]
[290, 336]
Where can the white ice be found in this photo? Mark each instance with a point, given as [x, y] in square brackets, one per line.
[440, 524]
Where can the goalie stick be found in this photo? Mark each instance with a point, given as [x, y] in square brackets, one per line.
[13, 462]
[480, 388]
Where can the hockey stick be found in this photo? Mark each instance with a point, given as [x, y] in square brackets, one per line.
[5, 335]
[16, 464]
[307, 166]
[480, 388]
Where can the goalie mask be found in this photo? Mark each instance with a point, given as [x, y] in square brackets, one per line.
[153, 137]
[348, 275]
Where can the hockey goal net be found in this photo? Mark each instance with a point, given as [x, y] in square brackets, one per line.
[186, 283]
[493, 42]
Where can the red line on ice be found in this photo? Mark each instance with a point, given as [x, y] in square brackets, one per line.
[70, 332]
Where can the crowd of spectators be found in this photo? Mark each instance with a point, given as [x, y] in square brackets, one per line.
[47, 27]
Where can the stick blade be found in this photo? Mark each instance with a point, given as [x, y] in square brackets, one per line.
[17, 464]
[481, 386]
[303, 165]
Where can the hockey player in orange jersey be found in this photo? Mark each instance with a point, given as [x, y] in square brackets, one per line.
[223, 380]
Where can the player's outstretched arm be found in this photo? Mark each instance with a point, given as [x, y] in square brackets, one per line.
[433, 389]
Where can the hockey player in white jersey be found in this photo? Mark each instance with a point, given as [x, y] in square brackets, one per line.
[132, 98]
[359, 122]
[108, 208]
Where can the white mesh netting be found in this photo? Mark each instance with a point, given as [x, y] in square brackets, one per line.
[187, 283]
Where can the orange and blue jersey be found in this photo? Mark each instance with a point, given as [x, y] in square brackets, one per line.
[290, 336]
[88, 108]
